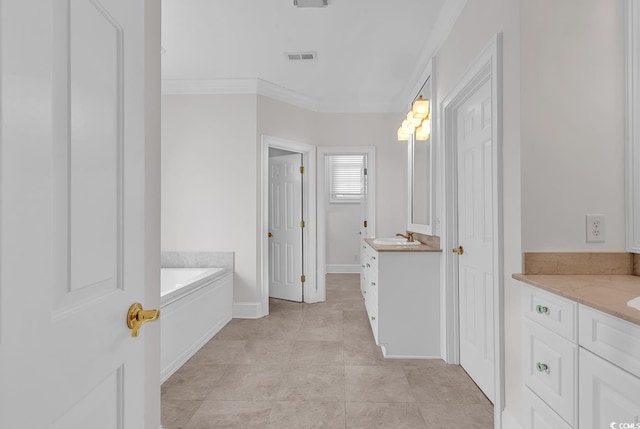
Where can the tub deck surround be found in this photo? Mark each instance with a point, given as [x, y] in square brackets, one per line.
[400, 248]
[178, 282]
[171, 259]
[194, 313]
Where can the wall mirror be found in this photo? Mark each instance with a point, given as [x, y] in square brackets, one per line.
[632, 176]
[421, 169]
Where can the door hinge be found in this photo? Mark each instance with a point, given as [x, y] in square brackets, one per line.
[303, 278]
[365, 171]
[301, 224]
[364, 223]
[302, 169]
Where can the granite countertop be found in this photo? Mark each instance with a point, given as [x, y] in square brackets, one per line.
[607, 293]
[400, 248]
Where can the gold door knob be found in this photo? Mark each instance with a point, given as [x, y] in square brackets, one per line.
[269, 235]
[458, 250]
[136, 317]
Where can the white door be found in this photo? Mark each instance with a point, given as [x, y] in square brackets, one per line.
[285, 229]
[72, 216]
[364, 201]
[475, 232]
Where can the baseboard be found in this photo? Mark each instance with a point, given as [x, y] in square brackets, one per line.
[343, 268]
[247, 310]
[175, 365]
[508, 421]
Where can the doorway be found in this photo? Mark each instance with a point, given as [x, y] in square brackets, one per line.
[303, 289]
[286, 224]
[363, 210]
[473, 282]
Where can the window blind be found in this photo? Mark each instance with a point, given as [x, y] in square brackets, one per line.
[346, 178]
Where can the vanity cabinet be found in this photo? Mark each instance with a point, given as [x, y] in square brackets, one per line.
[401, 290]
[550, 357]
[609, 370]
[581, 366]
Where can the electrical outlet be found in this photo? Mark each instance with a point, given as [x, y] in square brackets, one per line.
[595, 229]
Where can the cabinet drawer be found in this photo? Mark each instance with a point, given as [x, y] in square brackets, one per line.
[538, 415]
[610, 337]
[551, 311]
[607, 394]
[550, 369]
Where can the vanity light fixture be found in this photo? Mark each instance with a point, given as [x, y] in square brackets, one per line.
[418, 121]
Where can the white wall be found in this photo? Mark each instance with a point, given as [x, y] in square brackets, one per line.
[479, 21]
[563, 130]
[209, 192]
[572, 122]
[210, 167]
[283, 120]
[343, 241]
[379, 130]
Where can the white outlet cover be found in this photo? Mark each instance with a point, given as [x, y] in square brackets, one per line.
[595, 228]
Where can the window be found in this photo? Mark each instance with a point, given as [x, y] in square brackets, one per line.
[346, 178]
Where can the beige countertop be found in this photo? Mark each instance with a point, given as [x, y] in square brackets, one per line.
[607, 293]
[400, 248]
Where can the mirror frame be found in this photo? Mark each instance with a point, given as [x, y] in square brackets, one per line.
[428, 229]
[632, 125]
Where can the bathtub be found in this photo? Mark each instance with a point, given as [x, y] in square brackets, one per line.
[195, 304]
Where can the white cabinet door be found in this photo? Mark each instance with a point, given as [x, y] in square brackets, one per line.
[74, 194]
[608, 394]
[538, 415]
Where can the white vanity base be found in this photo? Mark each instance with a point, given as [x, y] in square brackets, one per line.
[402, 296]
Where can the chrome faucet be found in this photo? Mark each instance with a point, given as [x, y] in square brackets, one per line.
[409, 236]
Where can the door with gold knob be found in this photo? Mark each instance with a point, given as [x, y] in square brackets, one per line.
[476, 234]
[79, 218]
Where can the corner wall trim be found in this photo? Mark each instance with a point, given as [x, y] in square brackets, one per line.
[247, 310]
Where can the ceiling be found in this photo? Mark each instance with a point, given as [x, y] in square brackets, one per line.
[368, 51]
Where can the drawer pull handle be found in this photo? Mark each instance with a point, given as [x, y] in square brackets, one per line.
[373, 257]
[542, 367]
[368, 266]
[373, 283]
[373, 317]
[541, 309]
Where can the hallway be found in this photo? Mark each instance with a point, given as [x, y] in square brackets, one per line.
[316, 366]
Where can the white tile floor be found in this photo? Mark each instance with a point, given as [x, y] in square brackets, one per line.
[316, 366]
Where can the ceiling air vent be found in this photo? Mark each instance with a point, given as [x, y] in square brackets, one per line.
[310, 3]
[301, 56]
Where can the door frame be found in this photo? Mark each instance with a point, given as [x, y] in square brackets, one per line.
[486, 67]
[310, 289]
[323, 152]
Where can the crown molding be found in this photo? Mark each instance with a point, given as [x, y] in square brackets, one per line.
[447, 18]
[236, 87]
[273, 91]
[280, 93]
[209, 86]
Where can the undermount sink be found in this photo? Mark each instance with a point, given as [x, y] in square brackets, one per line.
[634, 303]
[393, 241]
